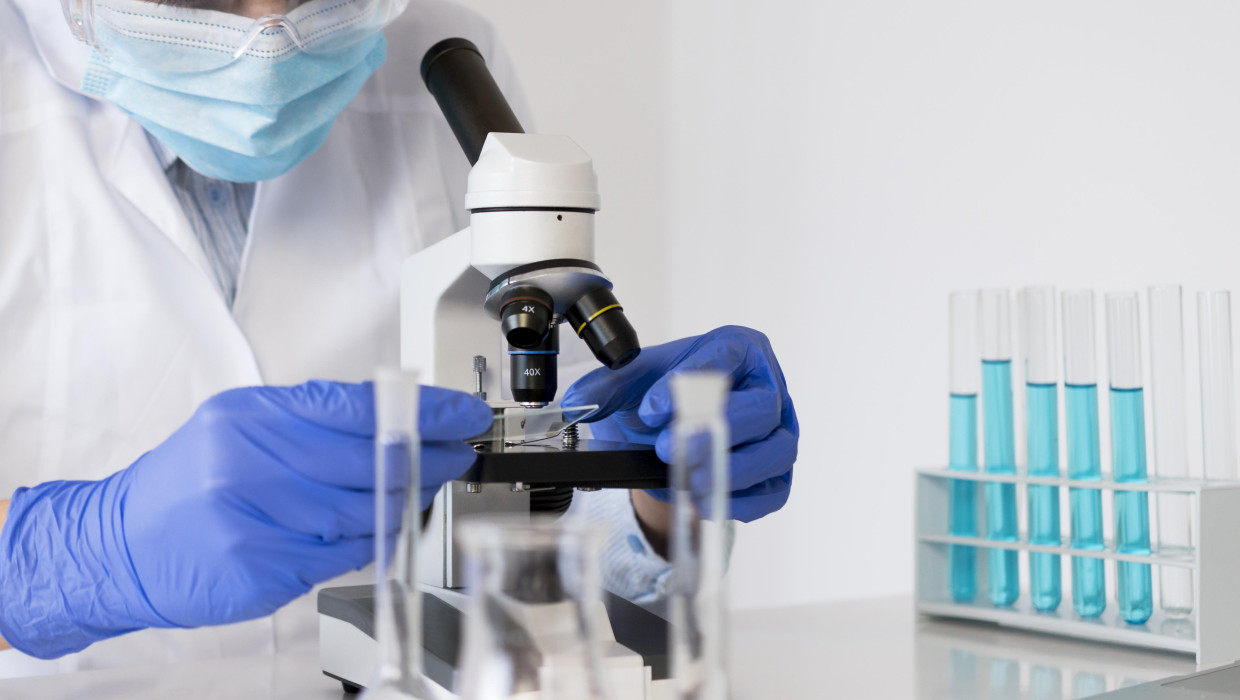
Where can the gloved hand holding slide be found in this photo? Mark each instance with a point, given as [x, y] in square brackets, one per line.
[263, 493]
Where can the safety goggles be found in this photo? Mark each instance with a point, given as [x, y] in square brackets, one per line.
[182, 38]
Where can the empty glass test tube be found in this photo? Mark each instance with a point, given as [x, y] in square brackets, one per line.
[1132, 508]
[1042, 441]
[1170, 426]
[398, 602]
[698, 540]
[965, 381]
[998, 441]
[1080, 375]
[1217, 386]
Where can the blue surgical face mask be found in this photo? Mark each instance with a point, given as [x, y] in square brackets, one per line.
[250, 119]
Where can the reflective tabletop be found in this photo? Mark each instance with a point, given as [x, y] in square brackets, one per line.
[858, 649]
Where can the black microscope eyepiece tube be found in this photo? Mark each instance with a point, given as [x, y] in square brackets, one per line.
[598, 319]
[456, 74]
[534, 370]
[525, 316]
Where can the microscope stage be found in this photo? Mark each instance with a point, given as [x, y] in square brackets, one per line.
[588, 464]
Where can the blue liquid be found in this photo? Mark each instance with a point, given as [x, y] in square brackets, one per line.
[1045, 579]
[1087, 685]
[1004, 679]
[1045, 683]
[1003, 572]
[962, 674]
[1089, 597]
[1132, 508]
[962, 498]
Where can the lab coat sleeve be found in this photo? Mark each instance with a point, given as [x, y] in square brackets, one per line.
[631, 567]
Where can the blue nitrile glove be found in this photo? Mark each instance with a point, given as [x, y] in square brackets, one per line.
[263, 493]
[636, 406]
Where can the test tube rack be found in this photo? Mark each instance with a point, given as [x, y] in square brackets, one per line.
[1211, 632]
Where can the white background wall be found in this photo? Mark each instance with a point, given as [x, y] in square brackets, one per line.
[828, 171]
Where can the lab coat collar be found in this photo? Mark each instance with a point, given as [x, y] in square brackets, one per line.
[64, 56]
[132, 171]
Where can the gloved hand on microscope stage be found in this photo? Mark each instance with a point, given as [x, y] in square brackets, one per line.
[636, 406]
[262, 493]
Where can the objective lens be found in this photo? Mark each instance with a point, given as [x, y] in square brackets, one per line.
[534, 375]
[525, 316]
[599, 320]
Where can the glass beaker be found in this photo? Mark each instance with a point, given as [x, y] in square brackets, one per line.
[534, 610]
[697, 594]
[398, 602]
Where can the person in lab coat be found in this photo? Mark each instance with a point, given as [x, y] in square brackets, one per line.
[198, 217]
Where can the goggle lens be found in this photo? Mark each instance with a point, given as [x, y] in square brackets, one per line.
[140, 32]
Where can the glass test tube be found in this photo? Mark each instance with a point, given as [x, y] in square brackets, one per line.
[965, 381]
[1217, 385]
[1080, 375]
[1132, 510]
[398, 602]
[1170, 426]
[998, 441]
[698, 539]
[1042, 441]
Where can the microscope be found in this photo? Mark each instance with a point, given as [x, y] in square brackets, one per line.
[506, 285]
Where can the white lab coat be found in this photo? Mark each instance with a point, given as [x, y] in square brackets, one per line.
[112, 330]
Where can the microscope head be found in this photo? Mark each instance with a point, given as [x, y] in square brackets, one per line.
[532, 200]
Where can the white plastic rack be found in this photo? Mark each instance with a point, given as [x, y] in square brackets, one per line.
[1211, 632]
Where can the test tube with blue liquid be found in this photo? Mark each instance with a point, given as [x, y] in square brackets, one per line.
[1042, 441]
[1170, 426]
[1132, 510]
[1080, 375]
[965, 380]
[999, 445]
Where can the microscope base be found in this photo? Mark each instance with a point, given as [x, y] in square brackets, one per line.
[348, 651]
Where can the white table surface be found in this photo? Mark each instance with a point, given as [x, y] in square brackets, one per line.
[856, 650]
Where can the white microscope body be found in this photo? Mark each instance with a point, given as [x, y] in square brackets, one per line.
[532, 199]
[480, 313]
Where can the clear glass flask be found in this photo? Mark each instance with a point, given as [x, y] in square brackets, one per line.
[1218, 389]
[1170, 426]
[697, 595]
[1080, 375]
[965, 382]
[1041, 348]
[398, 602]
[999, 445]
[534, 610]
[1128, 464]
